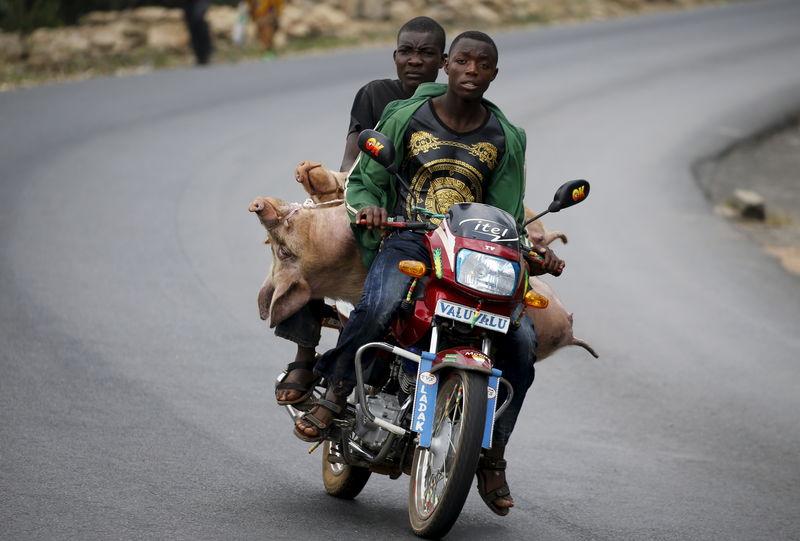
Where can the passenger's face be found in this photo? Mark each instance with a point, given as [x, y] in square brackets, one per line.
[471, 68]
[418, 59]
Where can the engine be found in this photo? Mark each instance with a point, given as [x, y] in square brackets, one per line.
[384, 406]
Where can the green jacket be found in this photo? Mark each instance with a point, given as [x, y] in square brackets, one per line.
[369, 184]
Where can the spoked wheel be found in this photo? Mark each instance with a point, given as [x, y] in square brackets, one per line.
[442, 475]
[341, 480]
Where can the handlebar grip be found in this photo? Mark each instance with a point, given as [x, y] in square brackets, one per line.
[534, 258]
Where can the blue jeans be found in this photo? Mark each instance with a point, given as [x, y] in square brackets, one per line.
[384, 289]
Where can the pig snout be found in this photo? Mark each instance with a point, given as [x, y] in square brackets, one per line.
[266, 212]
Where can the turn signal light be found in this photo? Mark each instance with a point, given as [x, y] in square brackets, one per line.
[417, 269]
[534, 300]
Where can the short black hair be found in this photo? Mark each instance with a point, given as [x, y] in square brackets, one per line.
[425, 25]
[477, 36]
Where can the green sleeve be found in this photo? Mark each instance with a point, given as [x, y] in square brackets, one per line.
[370, 184]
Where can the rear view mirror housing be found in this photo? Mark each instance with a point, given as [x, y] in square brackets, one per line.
[568, 194]
[378, 147]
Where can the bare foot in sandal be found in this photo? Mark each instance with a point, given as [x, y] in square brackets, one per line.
[298, 384]
[492, 485]
[315, 425]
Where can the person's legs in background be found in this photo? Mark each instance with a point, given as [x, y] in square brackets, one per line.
[195, 16]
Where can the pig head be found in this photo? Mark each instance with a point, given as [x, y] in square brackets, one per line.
[314, 255]
[321, 184]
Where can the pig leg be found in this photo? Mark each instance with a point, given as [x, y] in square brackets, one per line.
[550, 236]
[538, 233]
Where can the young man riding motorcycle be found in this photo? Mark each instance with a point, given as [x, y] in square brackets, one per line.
[418, 58]
[453, 146]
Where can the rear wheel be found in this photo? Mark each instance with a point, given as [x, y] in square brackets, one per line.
[442, 475]
[341, 480]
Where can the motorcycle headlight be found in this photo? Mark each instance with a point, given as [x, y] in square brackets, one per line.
[486, 273]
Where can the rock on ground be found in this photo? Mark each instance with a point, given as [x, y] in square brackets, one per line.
[768, 164]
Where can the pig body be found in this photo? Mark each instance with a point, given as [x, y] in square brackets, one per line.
[315, 256]
[553, 324]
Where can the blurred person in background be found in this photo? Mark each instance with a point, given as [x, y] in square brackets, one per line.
[194, 12]
[266, 15]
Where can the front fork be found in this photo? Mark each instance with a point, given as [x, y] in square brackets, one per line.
[427, 386]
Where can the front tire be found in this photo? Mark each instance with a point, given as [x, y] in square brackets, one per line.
[340, 480]
[442, 475]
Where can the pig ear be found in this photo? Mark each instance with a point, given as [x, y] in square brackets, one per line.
[265, 297]
[291, 294]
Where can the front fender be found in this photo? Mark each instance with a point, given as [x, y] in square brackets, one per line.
[463, 358]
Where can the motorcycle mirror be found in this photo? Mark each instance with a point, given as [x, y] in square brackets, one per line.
[568, 194]
[378, 147]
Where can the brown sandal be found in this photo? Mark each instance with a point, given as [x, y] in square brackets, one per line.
[494, 466]
[306, 390]
[334, 406]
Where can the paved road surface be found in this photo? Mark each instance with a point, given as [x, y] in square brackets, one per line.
[135, 396]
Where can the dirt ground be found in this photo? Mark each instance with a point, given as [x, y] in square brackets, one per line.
[768, 164]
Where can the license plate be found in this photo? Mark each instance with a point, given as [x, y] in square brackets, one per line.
[465, 314]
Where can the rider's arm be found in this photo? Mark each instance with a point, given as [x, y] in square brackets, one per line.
[350, 151]
[369, 184]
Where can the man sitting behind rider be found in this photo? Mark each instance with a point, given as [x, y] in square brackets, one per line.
[418, 58]
[452, 146]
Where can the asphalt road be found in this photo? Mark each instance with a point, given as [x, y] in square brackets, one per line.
[135, 383]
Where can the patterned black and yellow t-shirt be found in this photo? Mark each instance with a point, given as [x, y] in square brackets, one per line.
[444, 167]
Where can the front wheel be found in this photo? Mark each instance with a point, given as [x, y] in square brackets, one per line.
[341, 480]
[441, 476]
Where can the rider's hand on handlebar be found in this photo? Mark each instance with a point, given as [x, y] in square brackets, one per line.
[372, 217]
[546, 262]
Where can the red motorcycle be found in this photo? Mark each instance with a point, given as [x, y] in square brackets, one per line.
[435, 409]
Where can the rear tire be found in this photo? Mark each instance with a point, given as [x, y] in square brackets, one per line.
[340, 480]
[441, 476]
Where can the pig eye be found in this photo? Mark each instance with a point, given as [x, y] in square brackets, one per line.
[284, 253]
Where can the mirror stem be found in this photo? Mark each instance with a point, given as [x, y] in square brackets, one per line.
[534, 218]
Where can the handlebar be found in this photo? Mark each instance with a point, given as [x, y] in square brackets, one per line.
[410, 226]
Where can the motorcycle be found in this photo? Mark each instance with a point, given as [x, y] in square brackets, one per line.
[434, 411]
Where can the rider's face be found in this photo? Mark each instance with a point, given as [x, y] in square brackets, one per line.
[418, 59]
[471, 68]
